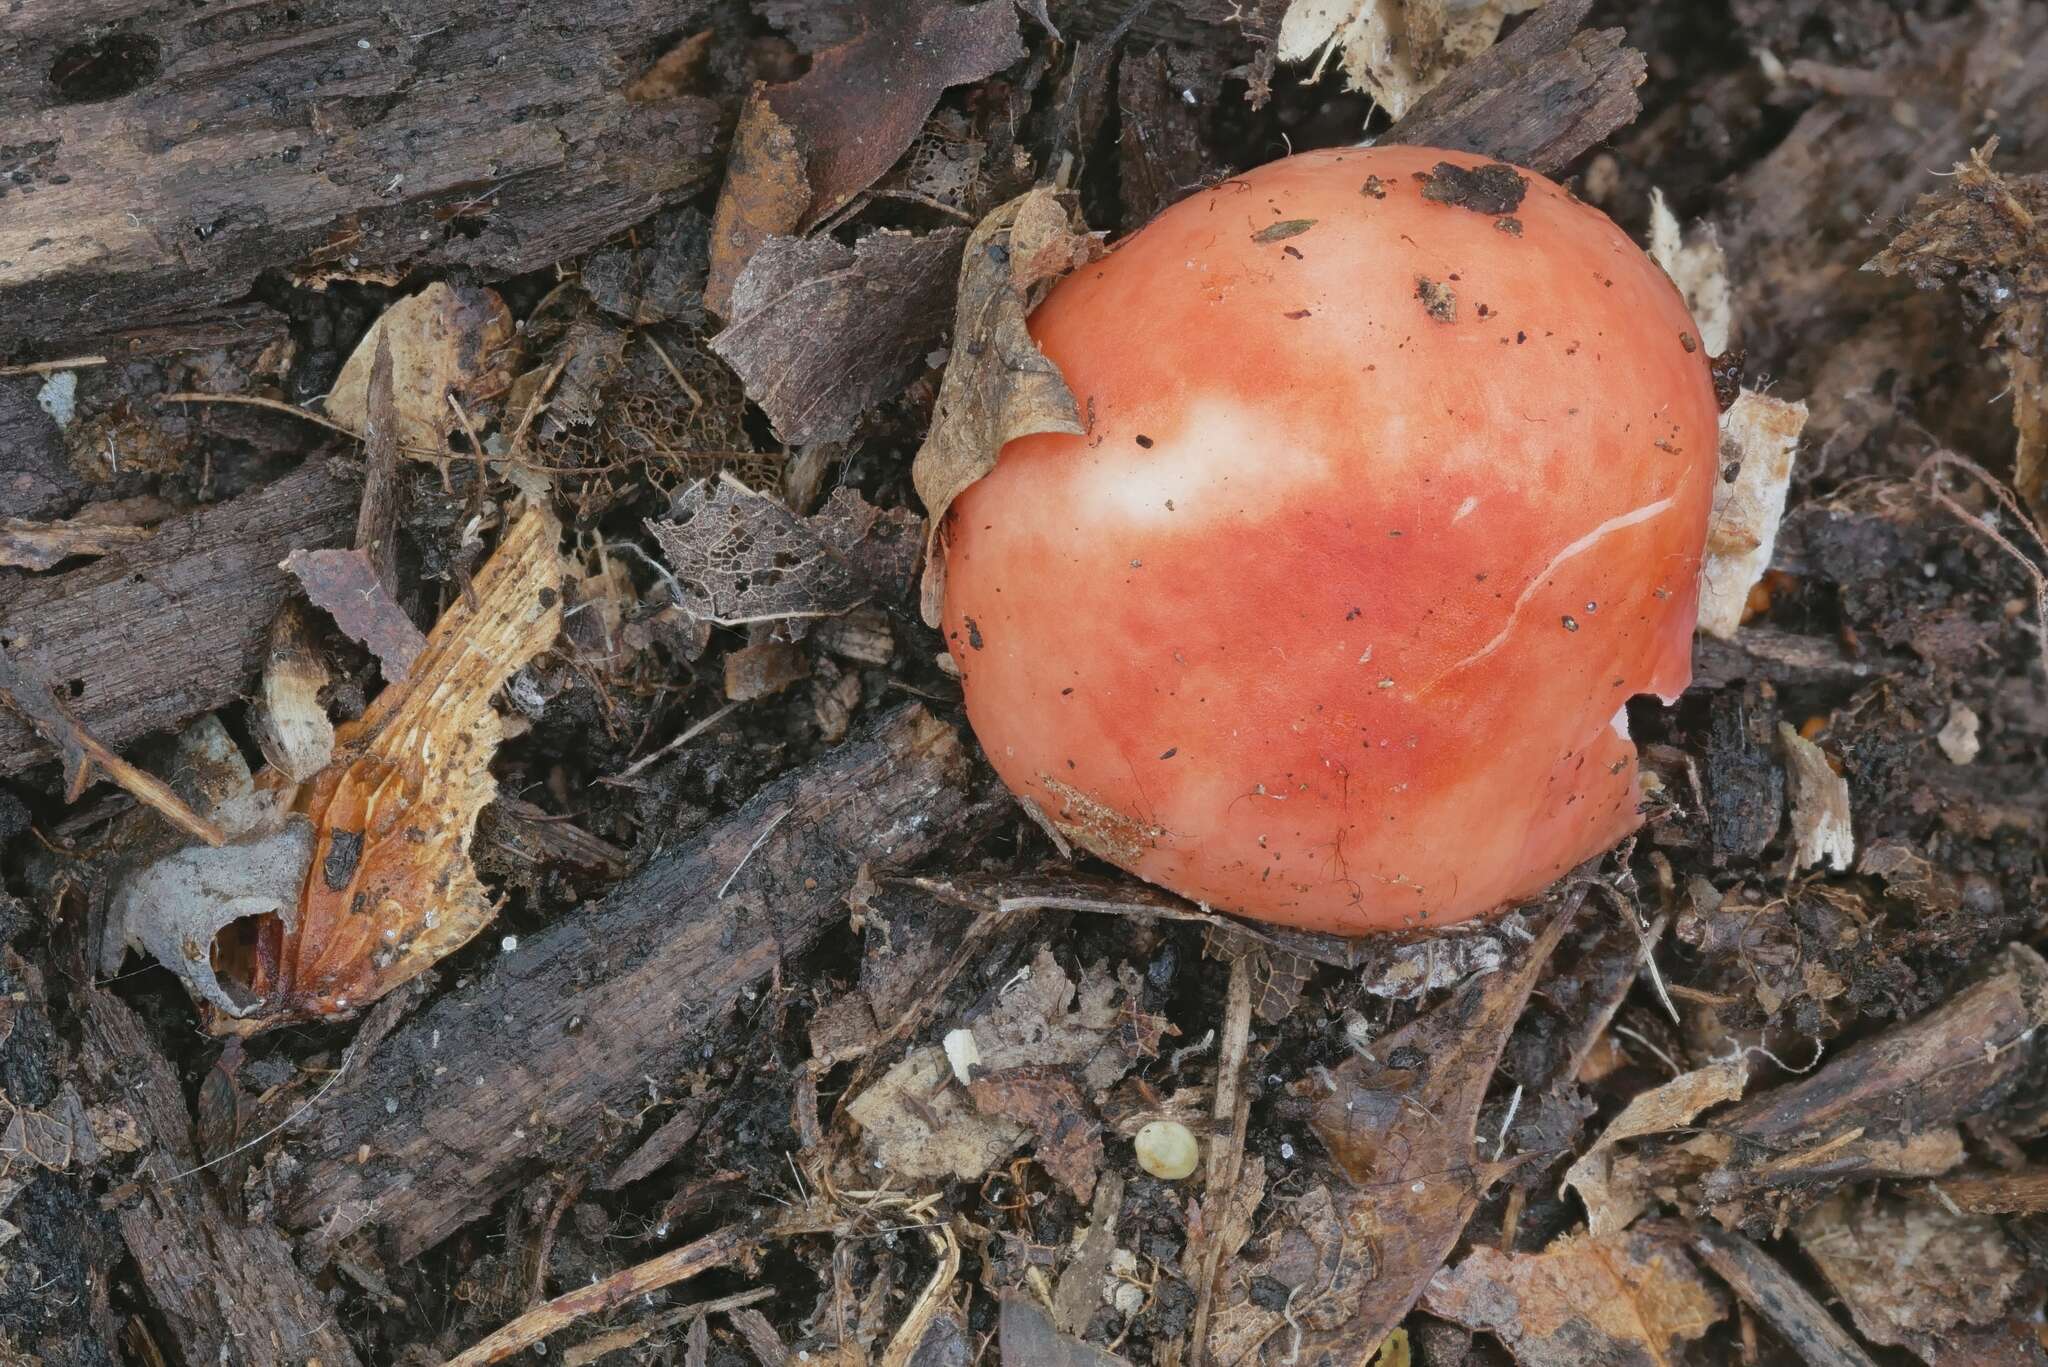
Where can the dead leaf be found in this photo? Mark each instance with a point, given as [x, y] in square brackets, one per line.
[766, 193]
[1399, 1124]
[1909, 1272]
[658, 277]
[1699, 267]
[1819, 802]
[743, 556]
[345, 586]
[998, 385]
[1393, 50]
[446, 339]
[762, 670]
[1029, 1339]
[917, 1125]
[1614, 1198]
[1628, 1299]
[821, 332]
[1046, 1102]
[806, 148]
[291, 726]
[1759, 437]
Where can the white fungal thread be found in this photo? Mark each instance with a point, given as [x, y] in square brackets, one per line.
[1620, 522]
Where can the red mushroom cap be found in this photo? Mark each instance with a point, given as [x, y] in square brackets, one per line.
[1393, 493]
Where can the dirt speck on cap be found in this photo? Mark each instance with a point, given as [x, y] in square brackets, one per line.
[1496, 189]
[1439, 299]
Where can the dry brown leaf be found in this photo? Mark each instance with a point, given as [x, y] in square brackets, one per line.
[1400, 1125]
[821, 331]
[1393, 50]
[998, 386]
[1759, 437]
[1909, 1271]
[345, 586]
[766, 193]
[446, 339]
[1045, 1101]
[1614, 1198]
[1819, 801]
[1583, 1301]
[806, 148]
[742, 556]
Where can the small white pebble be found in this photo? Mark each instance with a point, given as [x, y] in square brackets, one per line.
[391, 1105]
[1167, 1149]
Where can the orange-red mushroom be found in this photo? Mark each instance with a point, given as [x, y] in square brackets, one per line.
[1393, 493]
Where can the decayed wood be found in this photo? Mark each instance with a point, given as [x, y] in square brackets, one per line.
[144, 640]
[514, 1074]
[167, 153]
[1777, 1297]
[229, 1290]
[1857, 1114]
[1538, 99]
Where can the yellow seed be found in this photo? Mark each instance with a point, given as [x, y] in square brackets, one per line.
[1167, 1150]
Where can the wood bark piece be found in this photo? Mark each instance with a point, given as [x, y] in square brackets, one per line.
[678, 1264]
[172, 152]
[513, 1074]
[85, 757]
[1861, 1113]
[228, 1291]
[1777, 1297]
[1538, 99]
[145, 640]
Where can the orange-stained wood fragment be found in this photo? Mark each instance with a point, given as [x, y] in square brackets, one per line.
[391, 889]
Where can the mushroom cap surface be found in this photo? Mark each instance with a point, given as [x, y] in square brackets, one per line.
[1391, 498]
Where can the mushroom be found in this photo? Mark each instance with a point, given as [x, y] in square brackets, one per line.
[1392, 495]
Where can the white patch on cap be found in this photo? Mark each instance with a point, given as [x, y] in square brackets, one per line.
[1205, 465]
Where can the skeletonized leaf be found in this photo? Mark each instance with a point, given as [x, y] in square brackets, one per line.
[742, 556]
